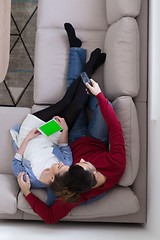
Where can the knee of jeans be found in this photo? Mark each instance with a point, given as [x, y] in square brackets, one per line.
[101, 137]
[75, 135]
[69, 82]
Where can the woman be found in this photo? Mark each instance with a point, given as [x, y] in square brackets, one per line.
[39, 157]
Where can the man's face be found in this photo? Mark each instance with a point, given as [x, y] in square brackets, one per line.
[86, 165]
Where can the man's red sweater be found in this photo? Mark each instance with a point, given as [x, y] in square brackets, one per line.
[109, 163]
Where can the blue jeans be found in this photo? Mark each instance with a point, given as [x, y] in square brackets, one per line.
[77, 58]
[97, 128]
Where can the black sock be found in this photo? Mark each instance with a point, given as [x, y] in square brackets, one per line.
[90, 65]
[73, 40]
[101, 59]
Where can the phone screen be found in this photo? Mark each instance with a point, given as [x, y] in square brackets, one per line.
[50, 127]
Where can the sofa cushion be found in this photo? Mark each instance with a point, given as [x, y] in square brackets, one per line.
[51, 63]
[90, 14]
[24, 205]
[127, 115]
[8, 192]
[117, 9]
[117, 201]
[121, 68]
[52, 46]
[10, 116]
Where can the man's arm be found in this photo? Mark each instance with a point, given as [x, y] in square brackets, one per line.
[116, 140]
[49, 214]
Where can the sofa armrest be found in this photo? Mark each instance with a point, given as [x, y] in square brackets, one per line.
[8, 190]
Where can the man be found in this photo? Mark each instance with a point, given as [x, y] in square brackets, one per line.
[106, 166]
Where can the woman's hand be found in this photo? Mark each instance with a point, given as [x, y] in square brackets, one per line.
[62, 123]
[25, 186]
[64, 136]
[32, 134]
[95, 89]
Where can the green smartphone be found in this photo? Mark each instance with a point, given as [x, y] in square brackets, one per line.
[49, 128]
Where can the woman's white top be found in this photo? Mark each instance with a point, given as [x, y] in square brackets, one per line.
[39, 149]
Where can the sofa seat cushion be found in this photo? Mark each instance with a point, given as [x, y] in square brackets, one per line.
[10, 117]
[121, 68]
[50, 74]
[24, 205]
[127, 115]
[8, 191]
[117, 201]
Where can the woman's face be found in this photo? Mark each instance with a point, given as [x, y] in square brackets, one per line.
[58, 168]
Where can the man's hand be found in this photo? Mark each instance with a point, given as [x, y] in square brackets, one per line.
[25, 186]
[95, 89]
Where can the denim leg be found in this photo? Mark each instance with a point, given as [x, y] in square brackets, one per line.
[77, 58]
[79, 129]
[92, 103]
[97, 127]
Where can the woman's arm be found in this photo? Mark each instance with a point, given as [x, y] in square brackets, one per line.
[17, 165]
[64, 136]
[64, 154]
[32, 134]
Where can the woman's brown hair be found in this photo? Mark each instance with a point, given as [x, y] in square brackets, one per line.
[72, 183]
[61, 188]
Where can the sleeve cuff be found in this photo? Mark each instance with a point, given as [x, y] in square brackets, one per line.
[101, 98]
[30, 197]
[62, 145]
[18, 156]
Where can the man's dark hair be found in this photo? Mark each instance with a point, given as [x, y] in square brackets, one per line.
[81, 180]
[72, 183]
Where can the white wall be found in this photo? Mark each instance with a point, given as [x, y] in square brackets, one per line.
[154, 61]
[154, 120]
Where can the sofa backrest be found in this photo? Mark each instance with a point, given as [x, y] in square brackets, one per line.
[109, 25]
[52, 47]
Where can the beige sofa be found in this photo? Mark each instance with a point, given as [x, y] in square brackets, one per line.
[119, 28]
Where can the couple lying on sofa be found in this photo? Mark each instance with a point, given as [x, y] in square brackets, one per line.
[95, 169]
